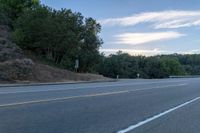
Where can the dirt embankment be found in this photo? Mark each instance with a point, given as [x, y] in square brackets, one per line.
[15, 67]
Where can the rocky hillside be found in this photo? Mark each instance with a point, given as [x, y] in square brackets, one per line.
[8, 50]
[15, 67]
[13, 64]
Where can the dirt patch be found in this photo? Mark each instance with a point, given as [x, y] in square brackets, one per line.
[45, 73]
[24, 70]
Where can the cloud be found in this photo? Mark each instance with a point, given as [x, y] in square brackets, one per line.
[194, 51]
[141, 38]
[162, 19]
[150, 52]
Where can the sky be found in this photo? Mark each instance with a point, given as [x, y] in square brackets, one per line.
[142, 27]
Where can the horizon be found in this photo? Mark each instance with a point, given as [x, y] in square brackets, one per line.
[140, 27]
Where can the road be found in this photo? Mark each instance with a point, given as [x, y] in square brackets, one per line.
[126, 106]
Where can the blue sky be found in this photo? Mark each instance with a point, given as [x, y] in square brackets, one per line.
[142, 27]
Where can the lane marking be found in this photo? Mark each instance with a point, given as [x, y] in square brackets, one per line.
[63, 89]
[86, 96]
[65, 98]
[132, 127]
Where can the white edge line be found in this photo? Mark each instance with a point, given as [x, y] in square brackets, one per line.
[132, 127]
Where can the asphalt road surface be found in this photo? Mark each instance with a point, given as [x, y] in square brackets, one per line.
[126, 106]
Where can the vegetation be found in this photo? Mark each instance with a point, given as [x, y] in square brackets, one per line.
[62, 36]
[58, 36]
[10, 10]
[161, 66]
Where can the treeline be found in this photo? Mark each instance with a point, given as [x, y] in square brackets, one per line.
[161, 66]
[59, 37]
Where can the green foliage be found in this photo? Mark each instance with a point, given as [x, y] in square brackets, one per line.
[127, 66]
[60, 36]
[172, 66]
[12, 9]
[88, 51]
[122, 64]
[191, 63]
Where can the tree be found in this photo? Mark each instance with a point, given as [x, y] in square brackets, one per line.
[59, 36]
[172, 66]
[88, 52]
[127, 66]
[12, 9]
[121, 64]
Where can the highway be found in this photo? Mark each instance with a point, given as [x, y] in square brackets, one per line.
[125, 106]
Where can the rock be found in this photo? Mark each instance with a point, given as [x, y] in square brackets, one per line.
[19, 69]
[8, 50]
[13, 64]
[2, 41]
[4, 31]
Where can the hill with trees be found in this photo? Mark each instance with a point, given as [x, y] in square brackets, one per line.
[33, 36]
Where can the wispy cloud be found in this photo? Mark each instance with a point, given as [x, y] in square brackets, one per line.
[141, 38]
[149, 52]
[194, 51]
[162, 19]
